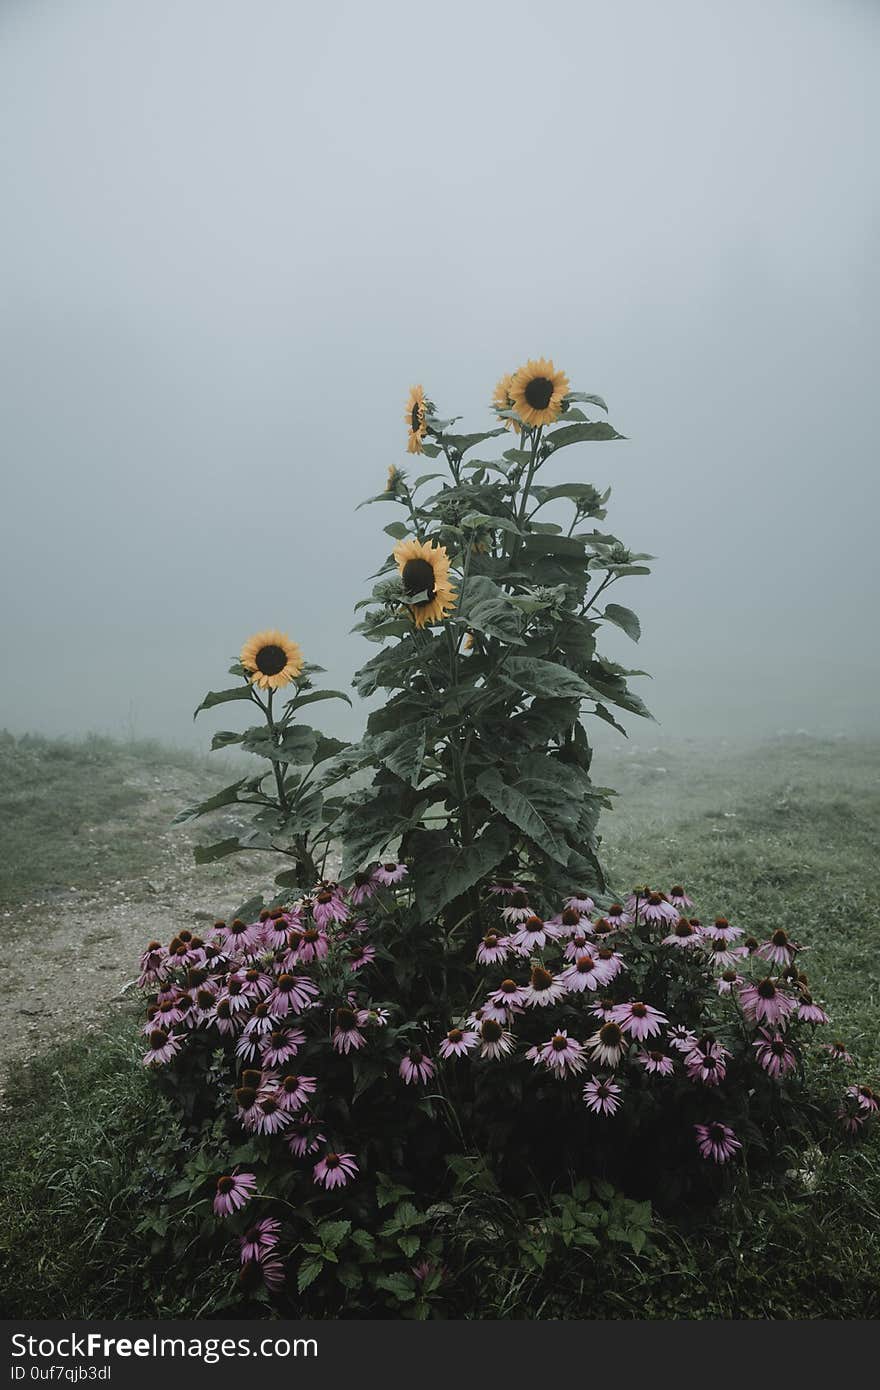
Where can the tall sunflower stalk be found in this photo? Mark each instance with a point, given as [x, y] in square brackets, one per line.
[487, 616]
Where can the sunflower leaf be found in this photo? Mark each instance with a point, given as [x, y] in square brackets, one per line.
[207, 854]
[297, 745]
[587, 399]
[227, 797]
[516, 807]
[452, 870]
[623, 618]
[221, 697]
[577, 434]
[483, 521]
[311, 696]
[546, 678]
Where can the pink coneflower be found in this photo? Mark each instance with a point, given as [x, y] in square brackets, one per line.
[262, 1020]
[270, 1115]
[246, 1107]
[206, 999]
[458, 1042]
[314, 944]
[509, 995]
[681, 1038]
[543, 988]
[608, 1044]
[531, 936]
[335, 1170]
[424, 1269]
[865, 1098]
[580, 902]
[716, 1141]
[562, 1054]
[346, 1036]
[617, 916]
[152, 964]
[780, 949]
[248, 1046]
[810, 1012]
[329, 905]
[495, 1041]
[416, 1067]
[492, 949]
[611, 961]
[223, 1019]
[363, 887]
[372, 1018]
[602, 1097]
[584, 973]
[838, 1053]
[304, 1136]
[241, 937]
[233, 1191]
[281, 1045]
[707, 1062]
[774, 1054]
[570, 923]
[506, 888]
[683, 934]
[640, 1020]
[637, 899]
[294, 1090]
[388, 874]
[259, 1239]
[360, 955]
[656, 1063]
[722, 955]
[163, 1046]
[518, 908]
[577, 945]
[657, 909]
[765, 1002]
[721, 930]
[728, 981]
[849, 1118]
[604, 1009]
[276, 931]
[292, 994]
[679, 898]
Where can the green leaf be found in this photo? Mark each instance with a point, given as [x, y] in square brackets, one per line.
[409, 1245]
[608, 717]
[587, 399]
[521, 812]
[463, 442]
[402, 752]
[400, 1285]
[221, 697]
[545, 678]
[577, 434]
[224, 737]
[623, 618]
[207, 854]
[482, 521]
[398, 530]
[296, 745]
[486, 608]
[453, 870]
[227, 797]
[310, 696]
[332, 1233]
[308, 1273]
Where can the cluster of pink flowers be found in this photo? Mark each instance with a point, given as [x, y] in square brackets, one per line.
[577, 961]
[260, 988]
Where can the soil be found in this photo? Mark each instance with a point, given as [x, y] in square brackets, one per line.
[75, 961]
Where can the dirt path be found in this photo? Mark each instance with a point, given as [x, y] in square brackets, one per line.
[75, 952]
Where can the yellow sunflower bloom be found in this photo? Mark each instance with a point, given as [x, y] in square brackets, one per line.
[537, 391]
[416, 415]
[424, 569]
[502, 400]
[272, 659]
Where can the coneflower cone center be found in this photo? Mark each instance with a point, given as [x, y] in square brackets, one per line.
[418, 577]
[270, 660]
[539, 392]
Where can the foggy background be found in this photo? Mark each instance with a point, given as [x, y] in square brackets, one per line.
[233, 234]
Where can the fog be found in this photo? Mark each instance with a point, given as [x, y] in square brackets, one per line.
[235, 233]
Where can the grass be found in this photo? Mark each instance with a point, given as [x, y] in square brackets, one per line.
[781, 833]
[74, 814]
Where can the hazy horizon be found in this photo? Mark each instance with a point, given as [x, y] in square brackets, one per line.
[236, 234]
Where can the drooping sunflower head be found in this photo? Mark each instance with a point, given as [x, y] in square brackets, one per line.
[271, 659]
[537, 392]
[416, 417]
[502, 400]
[424, 570]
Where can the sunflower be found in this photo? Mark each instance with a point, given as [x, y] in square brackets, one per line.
[416, 417]
[501, 400]
[537, 391]
[272, 659]
[424, 569]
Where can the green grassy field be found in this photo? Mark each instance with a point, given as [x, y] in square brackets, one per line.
[778, 833]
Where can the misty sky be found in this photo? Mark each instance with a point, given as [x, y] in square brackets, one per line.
[233, 234]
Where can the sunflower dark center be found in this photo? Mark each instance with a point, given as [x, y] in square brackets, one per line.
[270, 660]
[415, 418]
[418, 577]
[538, 392]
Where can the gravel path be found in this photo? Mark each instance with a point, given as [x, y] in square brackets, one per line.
[71, 956]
